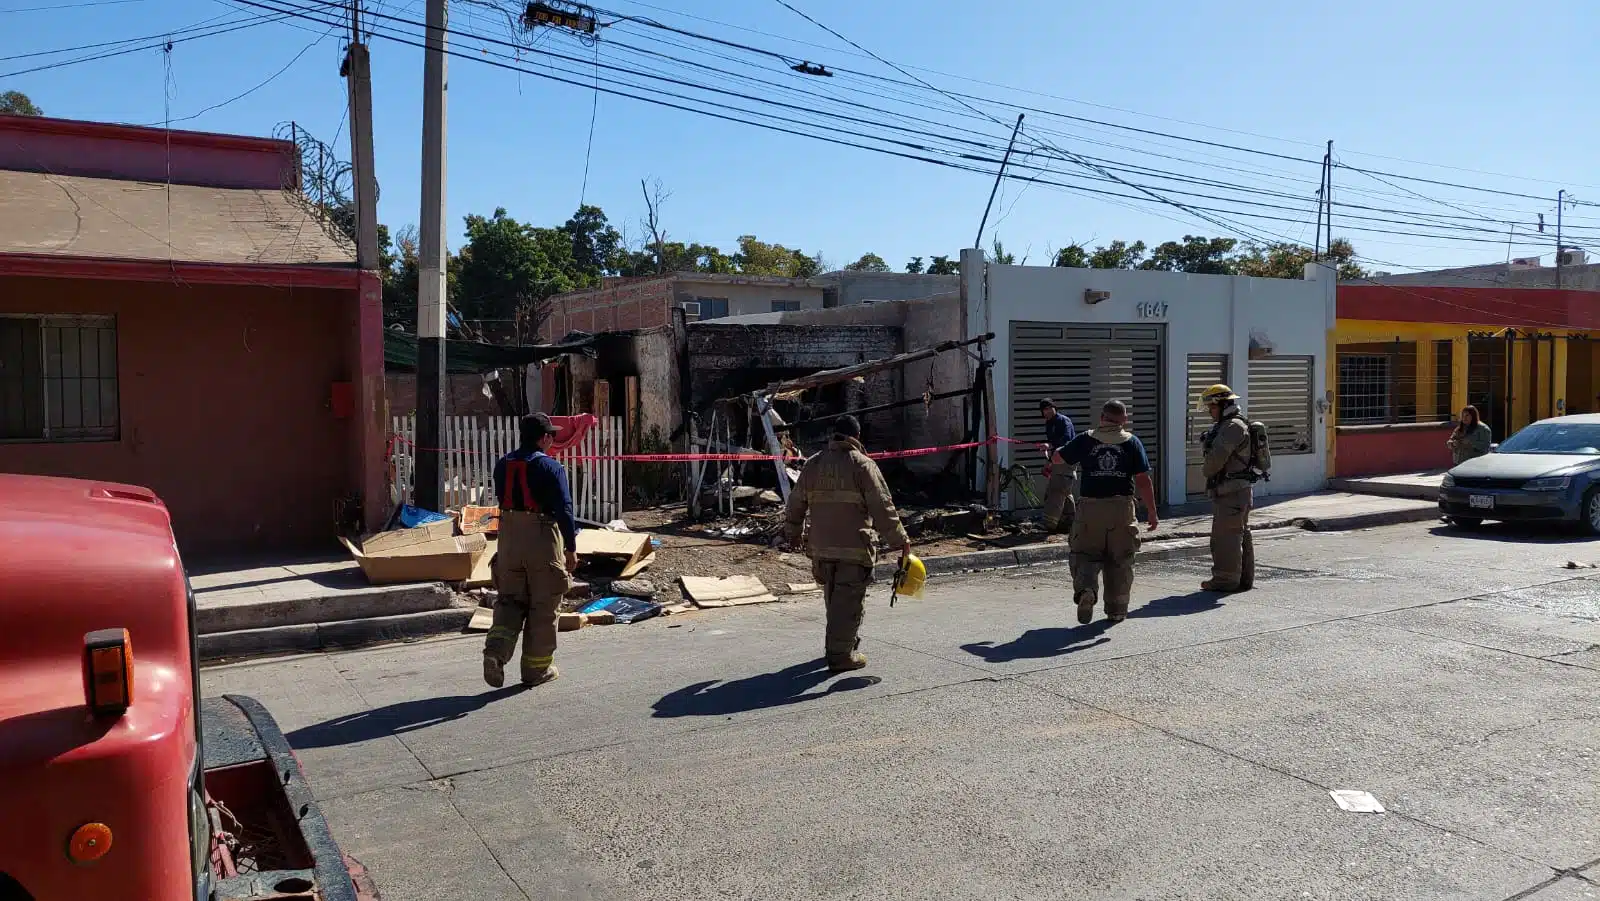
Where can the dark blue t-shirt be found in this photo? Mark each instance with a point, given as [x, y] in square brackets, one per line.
[1106, 470]
[532, 481]
[1058, 431]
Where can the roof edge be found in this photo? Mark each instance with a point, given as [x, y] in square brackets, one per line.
[305, 275]
[149, 134]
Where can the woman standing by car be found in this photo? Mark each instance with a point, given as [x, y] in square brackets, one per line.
[1470, 439]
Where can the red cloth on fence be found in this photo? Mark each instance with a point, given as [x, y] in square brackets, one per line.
[571, 429]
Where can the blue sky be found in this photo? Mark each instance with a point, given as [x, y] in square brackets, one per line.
[1408, 88]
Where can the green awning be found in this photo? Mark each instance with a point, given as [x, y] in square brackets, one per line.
[465, 357]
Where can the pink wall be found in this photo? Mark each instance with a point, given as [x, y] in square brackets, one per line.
[100, 150]
[226, 411]
[1382, 450]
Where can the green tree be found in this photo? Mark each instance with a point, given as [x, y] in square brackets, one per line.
[1282, 260]
[999, 255]
[1117, 255]
[507, 271]
[1073, 256]
[16, 103]
[595, 244]
[915, 266]
[1206, 256]
[944, 266]
[757, 257]
[869, 262]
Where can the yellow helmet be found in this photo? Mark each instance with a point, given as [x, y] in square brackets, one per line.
[911, 576]
[1216, 394]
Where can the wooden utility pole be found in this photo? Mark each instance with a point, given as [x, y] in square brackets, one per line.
[1561, 197]
[431, 278]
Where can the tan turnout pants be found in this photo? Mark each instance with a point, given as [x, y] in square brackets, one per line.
[1060, 508]
[1105, 539]
[844, 592]
[1233, 554]
[531, 577]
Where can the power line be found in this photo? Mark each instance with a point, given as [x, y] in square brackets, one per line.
[268, 80]
[226, 28]
[47, 9]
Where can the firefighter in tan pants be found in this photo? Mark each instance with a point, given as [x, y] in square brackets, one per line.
[1105, 535]
[535, 557]
[850, 507]
[1228, 481]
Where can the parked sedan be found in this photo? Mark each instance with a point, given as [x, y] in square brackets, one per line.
[1549, 471]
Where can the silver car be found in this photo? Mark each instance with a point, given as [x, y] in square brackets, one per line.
[1548, 472]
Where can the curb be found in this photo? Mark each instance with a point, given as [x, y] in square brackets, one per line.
[349, 604]
[1385, 489]
[341, 635]
[1369, 520]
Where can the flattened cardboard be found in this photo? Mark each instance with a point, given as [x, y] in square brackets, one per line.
[732, 591]
[383, 542]
[630, 548]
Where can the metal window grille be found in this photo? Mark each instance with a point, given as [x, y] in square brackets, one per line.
[712, 307]
[786, 306]
[1366, 383]
[1279, 394]
[58, 378]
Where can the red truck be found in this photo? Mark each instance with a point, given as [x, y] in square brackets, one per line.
[116, 779]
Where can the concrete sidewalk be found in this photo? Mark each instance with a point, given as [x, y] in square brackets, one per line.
[312, 603]
[1415, 485]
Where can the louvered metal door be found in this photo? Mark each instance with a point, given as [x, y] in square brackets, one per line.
[1205, 370]
[1279, 395]
[1081, 367]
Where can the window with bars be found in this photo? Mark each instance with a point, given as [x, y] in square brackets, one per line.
[786, 306]
[58, 378]
[1366, 386]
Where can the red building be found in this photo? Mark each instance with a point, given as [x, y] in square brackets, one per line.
[1411, 356]
[173, 315]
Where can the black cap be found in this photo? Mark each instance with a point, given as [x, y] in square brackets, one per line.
[848, 426]
[535, 426]
[1047, 402]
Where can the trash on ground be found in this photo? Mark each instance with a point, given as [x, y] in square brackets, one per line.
[617, 525]
[621, 609]
[483, 571]
[728, 591]
[600, 617]
[480, 519]
[427, 553]
[482, 619]
[675, 609]
[571, 622]
[803, 587]
[1356, 801]
[1573, 564]
[410, 517]
[631, 551]
[635, 588]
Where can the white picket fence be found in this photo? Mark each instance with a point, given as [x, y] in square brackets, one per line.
[473, 444]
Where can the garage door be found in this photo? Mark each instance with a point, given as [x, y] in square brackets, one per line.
[1081, 367]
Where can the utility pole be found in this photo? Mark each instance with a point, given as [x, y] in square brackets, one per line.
[1327, 200]
[357, 71]
[431, 277]
[1561, 197]
[978, 241]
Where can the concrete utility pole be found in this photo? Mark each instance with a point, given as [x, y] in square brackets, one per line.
[431, 280]
[358, 78]
[1561, 197]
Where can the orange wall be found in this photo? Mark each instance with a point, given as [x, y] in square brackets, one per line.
[1380, 450]
[225, 406]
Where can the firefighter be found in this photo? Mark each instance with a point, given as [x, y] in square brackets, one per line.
[1228, 480]
[536, 556]
[1105, 535]
[1059, 507]
[850, 507]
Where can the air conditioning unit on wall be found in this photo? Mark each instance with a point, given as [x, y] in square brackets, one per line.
[1571, 256]
[691, 310]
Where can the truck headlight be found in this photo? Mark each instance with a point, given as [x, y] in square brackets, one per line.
[1548, 483]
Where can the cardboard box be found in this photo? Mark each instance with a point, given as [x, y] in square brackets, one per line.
[450, 558]
[384, 542]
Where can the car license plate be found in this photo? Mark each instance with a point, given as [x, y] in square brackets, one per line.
[1481, 501]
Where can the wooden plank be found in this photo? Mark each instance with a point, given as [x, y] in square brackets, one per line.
[696, 470]
[773, 447]
[638, 566]
[632, 440]
[990, 450]
[482, 620]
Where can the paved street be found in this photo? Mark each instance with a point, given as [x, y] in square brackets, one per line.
[996, 750]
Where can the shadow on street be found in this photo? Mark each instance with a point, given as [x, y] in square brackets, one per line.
[1060, 640]
[791, 685]
[395, 719]
[1521, 533]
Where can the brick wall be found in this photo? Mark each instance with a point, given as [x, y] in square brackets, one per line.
[620, 306]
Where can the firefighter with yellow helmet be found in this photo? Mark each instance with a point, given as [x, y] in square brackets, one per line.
[1230, 472]
[849, 505]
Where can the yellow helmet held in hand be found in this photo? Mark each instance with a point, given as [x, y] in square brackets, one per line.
[1216, 394]
[911, 576]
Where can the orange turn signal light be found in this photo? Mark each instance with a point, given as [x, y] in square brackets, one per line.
[89, 843]
[108, 671]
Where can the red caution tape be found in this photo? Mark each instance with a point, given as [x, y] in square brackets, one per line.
[735, 458]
